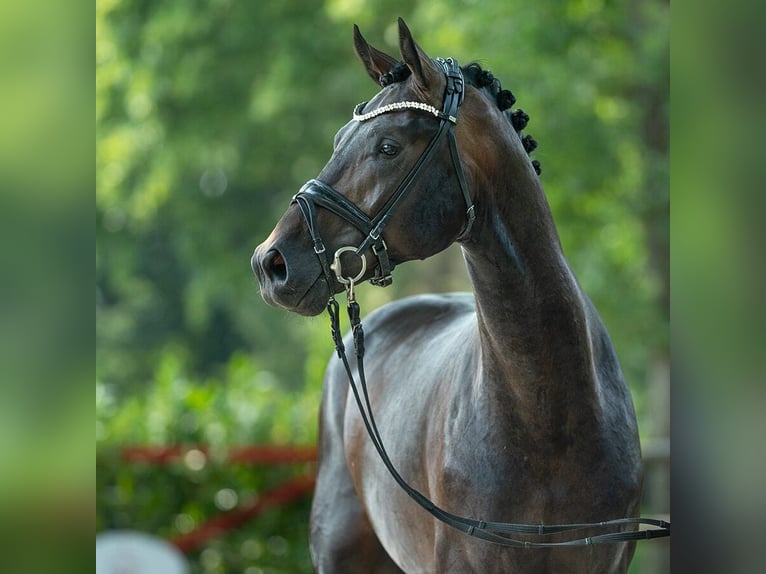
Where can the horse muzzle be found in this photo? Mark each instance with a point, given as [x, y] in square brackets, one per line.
[289, 281]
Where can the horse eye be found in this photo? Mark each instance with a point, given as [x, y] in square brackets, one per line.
[389, 149]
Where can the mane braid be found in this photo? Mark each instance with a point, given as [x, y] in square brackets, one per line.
[485, 81]
[398, 73]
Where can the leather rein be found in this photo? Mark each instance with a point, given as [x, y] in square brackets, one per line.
[317, 193]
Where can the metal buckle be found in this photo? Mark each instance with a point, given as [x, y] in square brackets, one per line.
[375, 247]
[382, 281]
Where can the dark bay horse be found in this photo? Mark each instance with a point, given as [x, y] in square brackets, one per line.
[507, 404]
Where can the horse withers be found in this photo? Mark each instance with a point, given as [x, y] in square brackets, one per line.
[505, 404]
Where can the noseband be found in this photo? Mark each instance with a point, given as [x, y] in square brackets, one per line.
[318, 193]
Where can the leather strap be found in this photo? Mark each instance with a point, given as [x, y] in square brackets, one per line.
[317, 192]
[473, 527]
[309, 215]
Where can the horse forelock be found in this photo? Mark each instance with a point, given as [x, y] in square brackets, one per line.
[490, 87]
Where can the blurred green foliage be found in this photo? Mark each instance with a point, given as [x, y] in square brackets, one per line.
[210, 115]
[46, 334]
[242, 405]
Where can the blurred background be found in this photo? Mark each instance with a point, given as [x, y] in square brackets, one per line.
[211, 115]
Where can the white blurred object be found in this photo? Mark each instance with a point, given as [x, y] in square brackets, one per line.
[129, 552]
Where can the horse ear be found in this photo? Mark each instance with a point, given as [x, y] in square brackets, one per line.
[422, 67]
[376, 62]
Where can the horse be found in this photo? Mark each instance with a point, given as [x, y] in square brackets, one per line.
[504, 403]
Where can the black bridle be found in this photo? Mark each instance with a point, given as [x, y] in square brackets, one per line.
[316, 192]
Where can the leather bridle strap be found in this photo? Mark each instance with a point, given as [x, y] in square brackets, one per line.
[477, 528]
[453, 96]
[309, 215]
[317, 192]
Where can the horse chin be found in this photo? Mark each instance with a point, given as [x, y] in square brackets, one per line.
[311, 303]
[311, 308]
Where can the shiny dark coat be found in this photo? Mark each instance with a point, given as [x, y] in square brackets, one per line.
[507, 404]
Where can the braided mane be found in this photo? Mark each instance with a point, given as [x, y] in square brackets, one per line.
[485, 81]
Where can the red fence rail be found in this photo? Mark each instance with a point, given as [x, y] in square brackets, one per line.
[250, 454]
[219, 524]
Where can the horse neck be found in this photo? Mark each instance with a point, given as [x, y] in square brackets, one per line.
[531, 313]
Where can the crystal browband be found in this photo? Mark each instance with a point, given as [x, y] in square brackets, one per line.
[398, 106]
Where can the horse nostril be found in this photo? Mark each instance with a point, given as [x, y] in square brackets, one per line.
[274, 265]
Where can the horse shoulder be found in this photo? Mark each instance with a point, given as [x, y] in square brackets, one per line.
[417, 315]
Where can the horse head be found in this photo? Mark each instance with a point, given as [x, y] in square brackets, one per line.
[372, 206]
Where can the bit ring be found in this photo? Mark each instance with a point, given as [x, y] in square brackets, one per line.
[338, 270]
